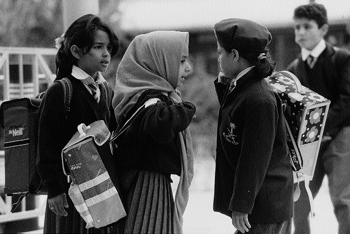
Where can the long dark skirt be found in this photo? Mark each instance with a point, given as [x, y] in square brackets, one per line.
[73, 223]
[149, 203]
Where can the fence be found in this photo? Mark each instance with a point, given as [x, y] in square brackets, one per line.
[24, 72]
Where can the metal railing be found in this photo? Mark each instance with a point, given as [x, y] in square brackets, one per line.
[24, 72]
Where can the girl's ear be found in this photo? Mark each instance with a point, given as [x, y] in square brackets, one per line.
[235, 55]
[76, 52]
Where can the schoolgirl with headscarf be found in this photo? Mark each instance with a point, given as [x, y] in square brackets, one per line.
[158, 142]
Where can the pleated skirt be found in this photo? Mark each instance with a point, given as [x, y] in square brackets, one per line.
[149, 203]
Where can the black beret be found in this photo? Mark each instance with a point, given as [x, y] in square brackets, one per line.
[242, 35]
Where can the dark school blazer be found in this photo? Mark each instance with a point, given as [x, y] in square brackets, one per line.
[55, 130]
[253, 173]
[152, 141]
[330, 77]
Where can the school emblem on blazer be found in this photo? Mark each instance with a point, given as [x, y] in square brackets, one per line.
[229, 136]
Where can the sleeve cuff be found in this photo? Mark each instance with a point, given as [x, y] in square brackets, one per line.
[54, 188]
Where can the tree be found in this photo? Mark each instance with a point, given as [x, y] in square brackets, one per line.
[30, 23]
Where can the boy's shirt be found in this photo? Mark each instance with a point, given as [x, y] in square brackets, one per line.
[319, 48]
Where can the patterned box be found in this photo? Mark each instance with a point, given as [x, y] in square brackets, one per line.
[306, 113]
[91, 165]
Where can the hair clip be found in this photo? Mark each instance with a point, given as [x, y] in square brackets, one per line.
[59, 41]
[262, 56]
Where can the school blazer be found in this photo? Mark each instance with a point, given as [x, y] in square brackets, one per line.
[330, 78]
[152, 141]
[253, 174]
[56, 128]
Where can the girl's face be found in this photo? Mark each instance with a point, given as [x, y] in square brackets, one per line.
[307, 33]
[226, 62]
[184, 70]
[99, 56]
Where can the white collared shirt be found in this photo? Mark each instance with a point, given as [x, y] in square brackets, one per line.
[321, 46]
[86, 79]
[240, 75]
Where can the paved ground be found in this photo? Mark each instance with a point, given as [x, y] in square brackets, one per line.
[199, 217]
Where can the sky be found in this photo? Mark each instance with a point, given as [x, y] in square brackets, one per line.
[203, 14]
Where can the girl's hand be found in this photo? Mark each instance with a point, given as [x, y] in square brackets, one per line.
[58, 204]
[240, 221]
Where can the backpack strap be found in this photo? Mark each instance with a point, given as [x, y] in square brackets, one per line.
[336, 64]
[107, 92]
[127, 124]
[67, 92]
[339, 60]
[108, 95]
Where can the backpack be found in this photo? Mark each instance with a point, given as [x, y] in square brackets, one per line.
[20, 119]
[305, 113]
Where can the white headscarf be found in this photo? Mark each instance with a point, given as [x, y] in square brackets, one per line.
[152, 61]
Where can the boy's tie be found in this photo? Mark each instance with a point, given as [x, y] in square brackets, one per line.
[311, 61]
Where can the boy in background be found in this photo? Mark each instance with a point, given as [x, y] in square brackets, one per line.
[325, 70]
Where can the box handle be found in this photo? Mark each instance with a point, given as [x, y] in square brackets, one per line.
[82, 128]
[300, 88]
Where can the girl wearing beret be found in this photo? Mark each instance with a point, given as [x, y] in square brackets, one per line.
[253, 177]
[158, 142]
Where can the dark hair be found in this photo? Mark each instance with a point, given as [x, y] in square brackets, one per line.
[263, 66]
[312, 11]
[81, 33]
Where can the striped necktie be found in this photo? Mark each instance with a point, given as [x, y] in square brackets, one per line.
[95, 91]
[232, 86]
[311, 61]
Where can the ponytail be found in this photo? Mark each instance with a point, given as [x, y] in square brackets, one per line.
[263, 63]
[64, 62]
[265, 66]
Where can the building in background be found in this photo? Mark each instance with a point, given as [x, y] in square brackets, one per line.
[199, 16]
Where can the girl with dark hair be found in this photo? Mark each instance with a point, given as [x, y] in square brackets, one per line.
[253, 178]
[84, 51]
